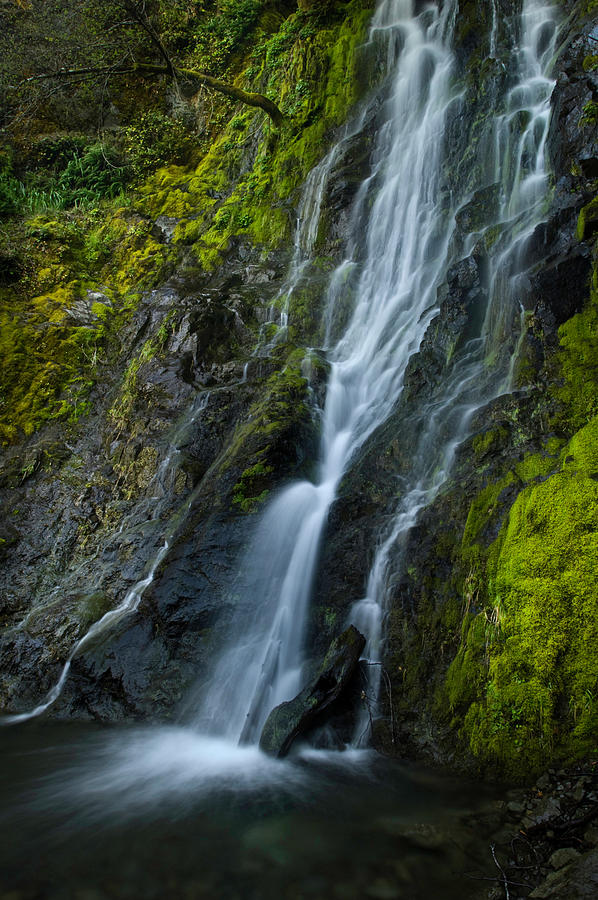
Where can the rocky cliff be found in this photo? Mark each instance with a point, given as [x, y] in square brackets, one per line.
[161, 383]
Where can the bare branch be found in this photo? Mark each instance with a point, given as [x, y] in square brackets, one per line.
[148, 70]
[141, 18]
[501, 870]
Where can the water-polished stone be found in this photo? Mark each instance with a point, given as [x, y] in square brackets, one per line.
[290, 719]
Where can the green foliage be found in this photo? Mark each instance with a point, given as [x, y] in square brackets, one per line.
[312, 71]
[12, 194]
[91, 173]
[91, 176]
[52, 152]
[219, 36]
[153, 140]
[242, 186]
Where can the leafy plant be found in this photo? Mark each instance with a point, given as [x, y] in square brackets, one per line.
[154, 140]
[96, 174]
[223, 33]
[12, 193]
[89, 174]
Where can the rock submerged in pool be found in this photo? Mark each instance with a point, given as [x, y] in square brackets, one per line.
[293, 718]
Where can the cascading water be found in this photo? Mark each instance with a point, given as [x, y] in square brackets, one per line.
[512, 153]
[410, 247]
[394, 267]
[396, 295]
[162, 793]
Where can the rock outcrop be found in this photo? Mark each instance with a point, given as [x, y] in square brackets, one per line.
[291, 719]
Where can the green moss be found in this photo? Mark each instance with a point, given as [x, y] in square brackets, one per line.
[590, 115]
[314, 74]
[272, 437]
[525, 691]
[465, 677]
[529, 691]
[121, 409]
[91, 608]
[536, 465]
[249, 492]
[588, 219]
[578, 362]
[47, 360]
[50, 359]
[489, 441]
[482, 512]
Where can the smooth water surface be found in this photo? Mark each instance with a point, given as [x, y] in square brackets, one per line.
[93, 813]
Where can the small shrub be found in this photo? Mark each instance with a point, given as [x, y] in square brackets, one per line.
[155, 140]
[92, 176]
[12, 193]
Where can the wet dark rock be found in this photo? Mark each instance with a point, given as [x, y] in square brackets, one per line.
[480, 211]
[348, 173]
[291, 719]
[563, 283]
[165, 226]
[576, 881]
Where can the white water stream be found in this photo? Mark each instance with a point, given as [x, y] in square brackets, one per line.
[409, 249]
[512, 154]
[409, 203]
[396, 295]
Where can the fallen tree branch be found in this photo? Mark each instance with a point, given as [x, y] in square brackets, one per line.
[144, 70]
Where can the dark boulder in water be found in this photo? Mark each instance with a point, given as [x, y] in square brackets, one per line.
[294, 717]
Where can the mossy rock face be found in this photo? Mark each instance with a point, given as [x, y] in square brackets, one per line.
[243, 187]
[129, 314]
[530, 657]
[481, 210]
[521, 689]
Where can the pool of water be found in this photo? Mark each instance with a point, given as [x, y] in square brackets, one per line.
[91, 813]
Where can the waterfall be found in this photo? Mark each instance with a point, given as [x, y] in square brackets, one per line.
[410, 247]
[514, 158]
[405, 252]
[399, 257]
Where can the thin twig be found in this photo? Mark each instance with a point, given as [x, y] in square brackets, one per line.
[501, 870]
